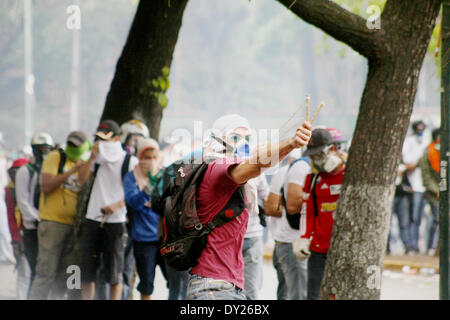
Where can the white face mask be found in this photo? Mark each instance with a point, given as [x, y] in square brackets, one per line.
[110, 151]
[331, 163]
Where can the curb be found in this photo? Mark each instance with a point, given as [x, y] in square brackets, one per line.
[391, 264]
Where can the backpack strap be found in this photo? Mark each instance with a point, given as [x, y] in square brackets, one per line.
[125, 165]
[313, 191]
[31, 169]
[233, 209]
[283, 198]
[62, 161]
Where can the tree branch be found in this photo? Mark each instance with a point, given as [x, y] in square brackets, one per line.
[339, 23]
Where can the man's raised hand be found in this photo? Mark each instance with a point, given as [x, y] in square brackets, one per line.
[302, 135]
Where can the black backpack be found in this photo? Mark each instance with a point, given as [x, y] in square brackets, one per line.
[182, 236]
[294, 219]
[37, 170]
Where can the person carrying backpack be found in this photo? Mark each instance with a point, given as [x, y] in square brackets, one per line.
[27, 196]
[219, 269]
[57, 209]
[287, 195]
[320, 196]
[104, 231]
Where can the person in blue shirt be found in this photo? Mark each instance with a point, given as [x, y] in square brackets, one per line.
[138, 186]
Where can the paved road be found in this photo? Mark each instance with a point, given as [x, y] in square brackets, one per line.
[394, 285]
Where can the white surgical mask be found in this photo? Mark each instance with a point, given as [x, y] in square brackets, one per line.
[331, 163]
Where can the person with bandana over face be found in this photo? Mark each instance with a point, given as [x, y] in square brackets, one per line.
[104, 230]
[412, 151]
[138, 185]
[28, 194]
[130, 132]
[219, 273]
[57, 209]
[320, 195]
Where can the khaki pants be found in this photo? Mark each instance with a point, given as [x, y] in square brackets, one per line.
[56, 252]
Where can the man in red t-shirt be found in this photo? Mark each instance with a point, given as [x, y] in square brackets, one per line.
[219, 273]
[319, 206]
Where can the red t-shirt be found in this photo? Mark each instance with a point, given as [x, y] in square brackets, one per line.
[222, 257]
[327, 191]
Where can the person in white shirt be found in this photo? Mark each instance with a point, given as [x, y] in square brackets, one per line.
[291, 272]
[105, 229]
[253, 248]
[413, 149]
[28, 194]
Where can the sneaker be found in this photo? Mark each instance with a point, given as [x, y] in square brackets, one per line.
[431, 252]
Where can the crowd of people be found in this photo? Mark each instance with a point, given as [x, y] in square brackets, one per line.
[89, 204]
[417, 185]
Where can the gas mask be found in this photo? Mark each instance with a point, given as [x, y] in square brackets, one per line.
[130, 145]
[40, 151]
[75, 153]
[148, 165]
[325, 161]
[242, 150]
[332, 162]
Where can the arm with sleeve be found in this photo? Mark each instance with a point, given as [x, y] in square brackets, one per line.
[307, 213]
[133, 196]
[263, 188]
[24, 196]
[430, 183]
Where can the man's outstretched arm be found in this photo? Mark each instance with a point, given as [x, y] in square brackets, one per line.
[269, 155]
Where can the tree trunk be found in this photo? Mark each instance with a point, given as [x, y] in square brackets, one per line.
[148, 49]
[395, 54]
[355, 260]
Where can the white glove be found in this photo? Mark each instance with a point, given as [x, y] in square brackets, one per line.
[300, 246]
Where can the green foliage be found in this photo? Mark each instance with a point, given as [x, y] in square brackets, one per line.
[158, 87]
[360, 7]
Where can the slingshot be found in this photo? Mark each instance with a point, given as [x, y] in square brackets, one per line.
[307, 102]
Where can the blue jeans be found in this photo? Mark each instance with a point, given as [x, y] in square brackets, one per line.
[401, 209]
[282, 289]
[433, 229]
[30, 242]
[418, 202]
[201, 288]
[178, 282]
[316, 267]
[294, 271]
[252, 251]
[128, 268]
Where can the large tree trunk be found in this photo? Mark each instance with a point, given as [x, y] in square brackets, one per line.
[149, 48]
[395, 54]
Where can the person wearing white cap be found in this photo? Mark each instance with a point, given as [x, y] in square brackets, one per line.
[219, 273]
[28, 193]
